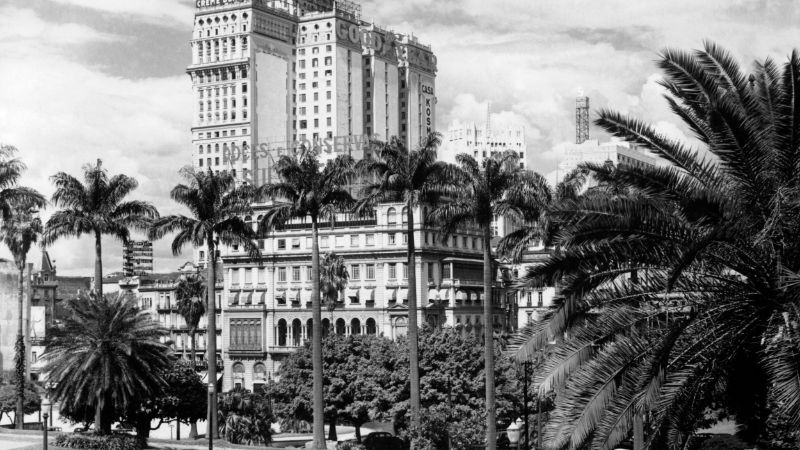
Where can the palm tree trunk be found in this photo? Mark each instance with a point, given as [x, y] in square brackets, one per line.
[316, 342]
[98, 264]
[332, 429]
[488, 335]
[413, 331]
[192, 332]
[638, 431]
[193, 430]
[211, 336]
[19, 417]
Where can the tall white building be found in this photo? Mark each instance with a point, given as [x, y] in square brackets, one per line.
[271, 76]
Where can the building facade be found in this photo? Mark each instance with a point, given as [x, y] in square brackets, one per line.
[274, 76]
[267, 307]
[593, 151]
[137, 258]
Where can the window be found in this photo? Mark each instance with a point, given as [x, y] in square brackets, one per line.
[431, 268]
[296, 273]
[370, 271]
[340, 241]
[282, 274]
[355, 272]
[295, 243]
[392, 271]
[391, 216]
[464, 242]
[541, 299]
[530, 299]
[323, 241]
[370, 240]
[391, 238]
[354, 240]
[405, 238]
[446, 271]
[281, 244]
[248, 276]
[405, 271]
[245, 334]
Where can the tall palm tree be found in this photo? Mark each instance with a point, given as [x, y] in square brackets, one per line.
[396, 173]
[12, 196]
[217, 206]
[712, 238]
[311, 191]
[498, 187]
[19, 233]
[334, 277]
[106, 354]
[190, 294]
[96, 207]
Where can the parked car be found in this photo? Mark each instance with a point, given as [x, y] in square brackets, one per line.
[381, 440]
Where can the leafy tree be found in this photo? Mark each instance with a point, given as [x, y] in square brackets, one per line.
[712, 239]
[333, 280]
[106, 354]
[19, 232]
[309, 190]
[413, 177]
[8, 400]
[190, 293]
[96, 207]
[246, 417]
[217, 206]
[499, 187]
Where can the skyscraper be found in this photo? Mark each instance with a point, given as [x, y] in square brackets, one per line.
[275, 76]
[137, 258]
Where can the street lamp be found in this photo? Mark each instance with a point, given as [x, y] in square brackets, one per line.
[513, 432]
[46, 407]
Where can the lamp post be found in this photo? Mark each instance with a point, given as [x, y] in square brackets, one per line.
[209, 431]
[513, 432]
[46, 407]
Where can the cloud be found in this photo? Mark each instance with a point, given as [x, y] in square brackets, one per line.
[154, 11]
[62, 114]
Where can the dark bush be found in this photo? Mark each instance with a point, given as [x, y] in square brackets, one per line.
[350, 445]
[90, 441]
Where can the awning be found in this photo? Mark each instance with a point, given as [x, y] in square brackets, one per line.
[444, 294]
[247, 298]
[204, 377]
[392, 295]
[369, 295]
[233, 298]
[305, 295]
[433, 294]
[353, 295]
[461, 296]
[260, 298]
[294, 296]
[402, 295]
[473, 296]
[280, 295]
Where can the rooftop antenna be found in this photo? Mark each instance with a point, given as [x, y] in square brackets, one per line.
[581, 118]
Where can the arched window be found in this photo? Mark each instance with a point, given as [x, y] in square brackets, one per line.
[405, 216]
[297, 332]
[282, 330]
[371, 328]
[260, 372]
[340, 327]
[326, 328]
[238, 375]
[355, 326]
[391, 216]
[400, 327]
[310, 329]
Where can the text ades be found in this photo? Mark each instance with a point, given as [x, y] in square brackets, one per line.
[370, 39]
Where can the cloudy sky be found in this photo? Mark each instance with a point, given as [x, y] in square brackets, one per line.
[88, 79]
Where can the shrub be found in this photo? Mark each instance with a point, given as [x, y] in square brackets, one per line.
[350, 445]
[90, 441]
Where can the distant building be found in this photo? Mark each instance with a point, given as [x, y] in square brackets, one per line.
[530, 304]
[137, 258]
[616, 151]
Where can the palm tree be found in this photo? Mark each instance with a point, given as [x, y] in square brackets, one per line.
[712, 237]
[19, 233]
[333, 280]
[497, 188]
[106, 354]
[217, 206]
[96, 207]
[12, 196]
[309, 190]
[414, 177]
[190, 294]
